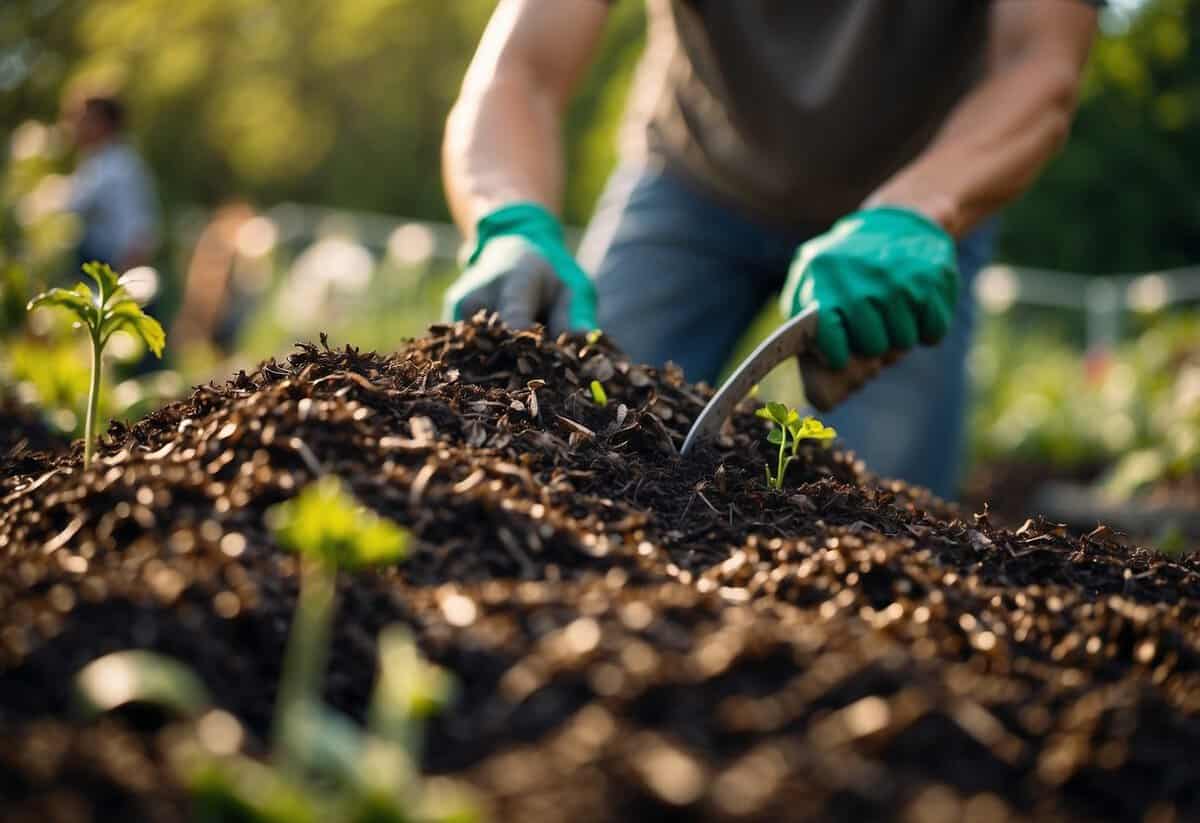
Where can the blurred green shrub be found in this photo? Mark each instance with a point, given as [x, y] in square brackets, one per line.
[1134, 411]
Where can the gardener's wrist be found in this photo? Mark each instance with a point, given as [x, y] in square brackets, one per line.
[938, 207]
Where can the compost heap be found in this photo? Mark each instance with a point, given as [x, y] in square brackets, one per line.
[634, 635]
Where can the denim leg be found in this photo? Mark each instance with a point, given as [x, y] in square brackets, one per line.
[910, 421]
[678, 276]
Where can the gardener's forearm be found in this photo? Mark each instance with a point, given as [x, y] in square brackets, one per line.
[503, 139]
[1002, 134]
[502, 145]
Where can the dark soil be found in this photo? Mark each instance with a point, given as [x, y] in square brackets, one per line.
[1073, 496]
[22, 432]
[635, 636]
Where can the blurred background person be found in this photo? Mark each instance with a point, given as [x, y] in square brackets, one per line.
[111, 190]
[212, 311]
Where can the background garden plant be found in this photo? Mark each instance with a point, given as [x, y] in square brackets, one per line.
[108, 310]
[323, 766]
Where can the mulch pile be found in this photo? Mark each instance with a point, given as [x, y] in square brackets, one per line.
[635, 636]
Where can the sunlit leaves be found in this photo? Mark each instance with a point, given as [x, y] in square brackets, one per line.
[127, 315]
[79, 301]
[790, 429]
[106, 279]
[138, 676]
[810, 428]
[325, 522]
[409, 687]
[599, 396]
[109, 310]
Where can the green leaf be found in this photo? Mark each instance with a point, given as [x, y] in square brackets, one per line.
[599, 396]
[322, 740]
[409, 688]
[128, 315]
[137, 676]
[775, 437]
[764, 413]
[593, 336]
[326, 522]
[813, 429]
[104, 276]
[778, 412]
[78, 300]
[444, 800]
[238, 788]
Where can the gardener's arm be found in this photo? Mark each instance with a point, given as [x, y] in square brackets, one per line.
[886, 277]
[503, 165]
[999, 137]
[503, 140]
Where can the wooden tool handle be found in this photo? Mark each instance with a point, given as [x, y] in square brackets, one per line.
[825, 387]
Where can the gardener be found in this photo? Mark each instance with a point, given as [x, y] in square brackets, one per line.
[849, 153]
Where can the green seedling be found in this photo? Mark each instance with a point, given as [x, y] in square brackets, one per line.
[790, 428]
[599, 396]
[102, 313]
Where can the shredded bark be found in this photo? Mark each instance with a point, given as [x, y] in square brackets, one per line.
[635, 635]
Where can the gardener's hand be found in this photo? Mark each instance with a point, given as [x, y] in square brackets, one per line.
[521, 268]
[883, 278]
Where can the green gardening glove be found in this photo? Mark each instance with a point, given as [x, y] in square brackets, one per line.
[521, 268]
[882, 278]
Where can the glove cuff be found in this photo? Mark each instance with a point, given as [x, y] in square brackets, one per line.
[899, 214]
[525, 219]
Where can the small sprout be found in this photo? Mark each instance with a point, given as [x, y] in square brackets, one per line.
[109, 311]
[329, 529]
[790, 428]
[594, 336]
[325, 522]
[599, 396]
[138, 676]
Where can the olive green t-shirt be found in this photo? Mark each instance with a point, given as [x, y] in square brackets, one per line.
[796, 110]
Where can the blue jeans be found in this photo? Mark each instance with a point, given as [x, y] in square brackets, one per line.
[680, 276]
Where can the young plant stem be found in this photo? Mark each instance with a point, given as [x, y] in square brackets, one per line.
[306, 654]
[782, 466]
[93, 404]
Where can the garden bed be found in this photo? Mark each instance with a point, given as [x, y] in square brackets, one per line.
[634, 635]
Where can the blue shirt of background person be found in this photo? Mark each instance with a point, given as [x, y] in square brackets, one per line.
[111, 191]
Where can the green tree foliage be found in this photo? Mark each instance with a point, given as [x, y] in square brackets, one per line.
[335, 103]
[1122, 197]
[343, 103]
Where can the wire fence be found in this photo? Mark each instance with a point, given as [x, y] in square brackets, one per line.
[425, 247]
